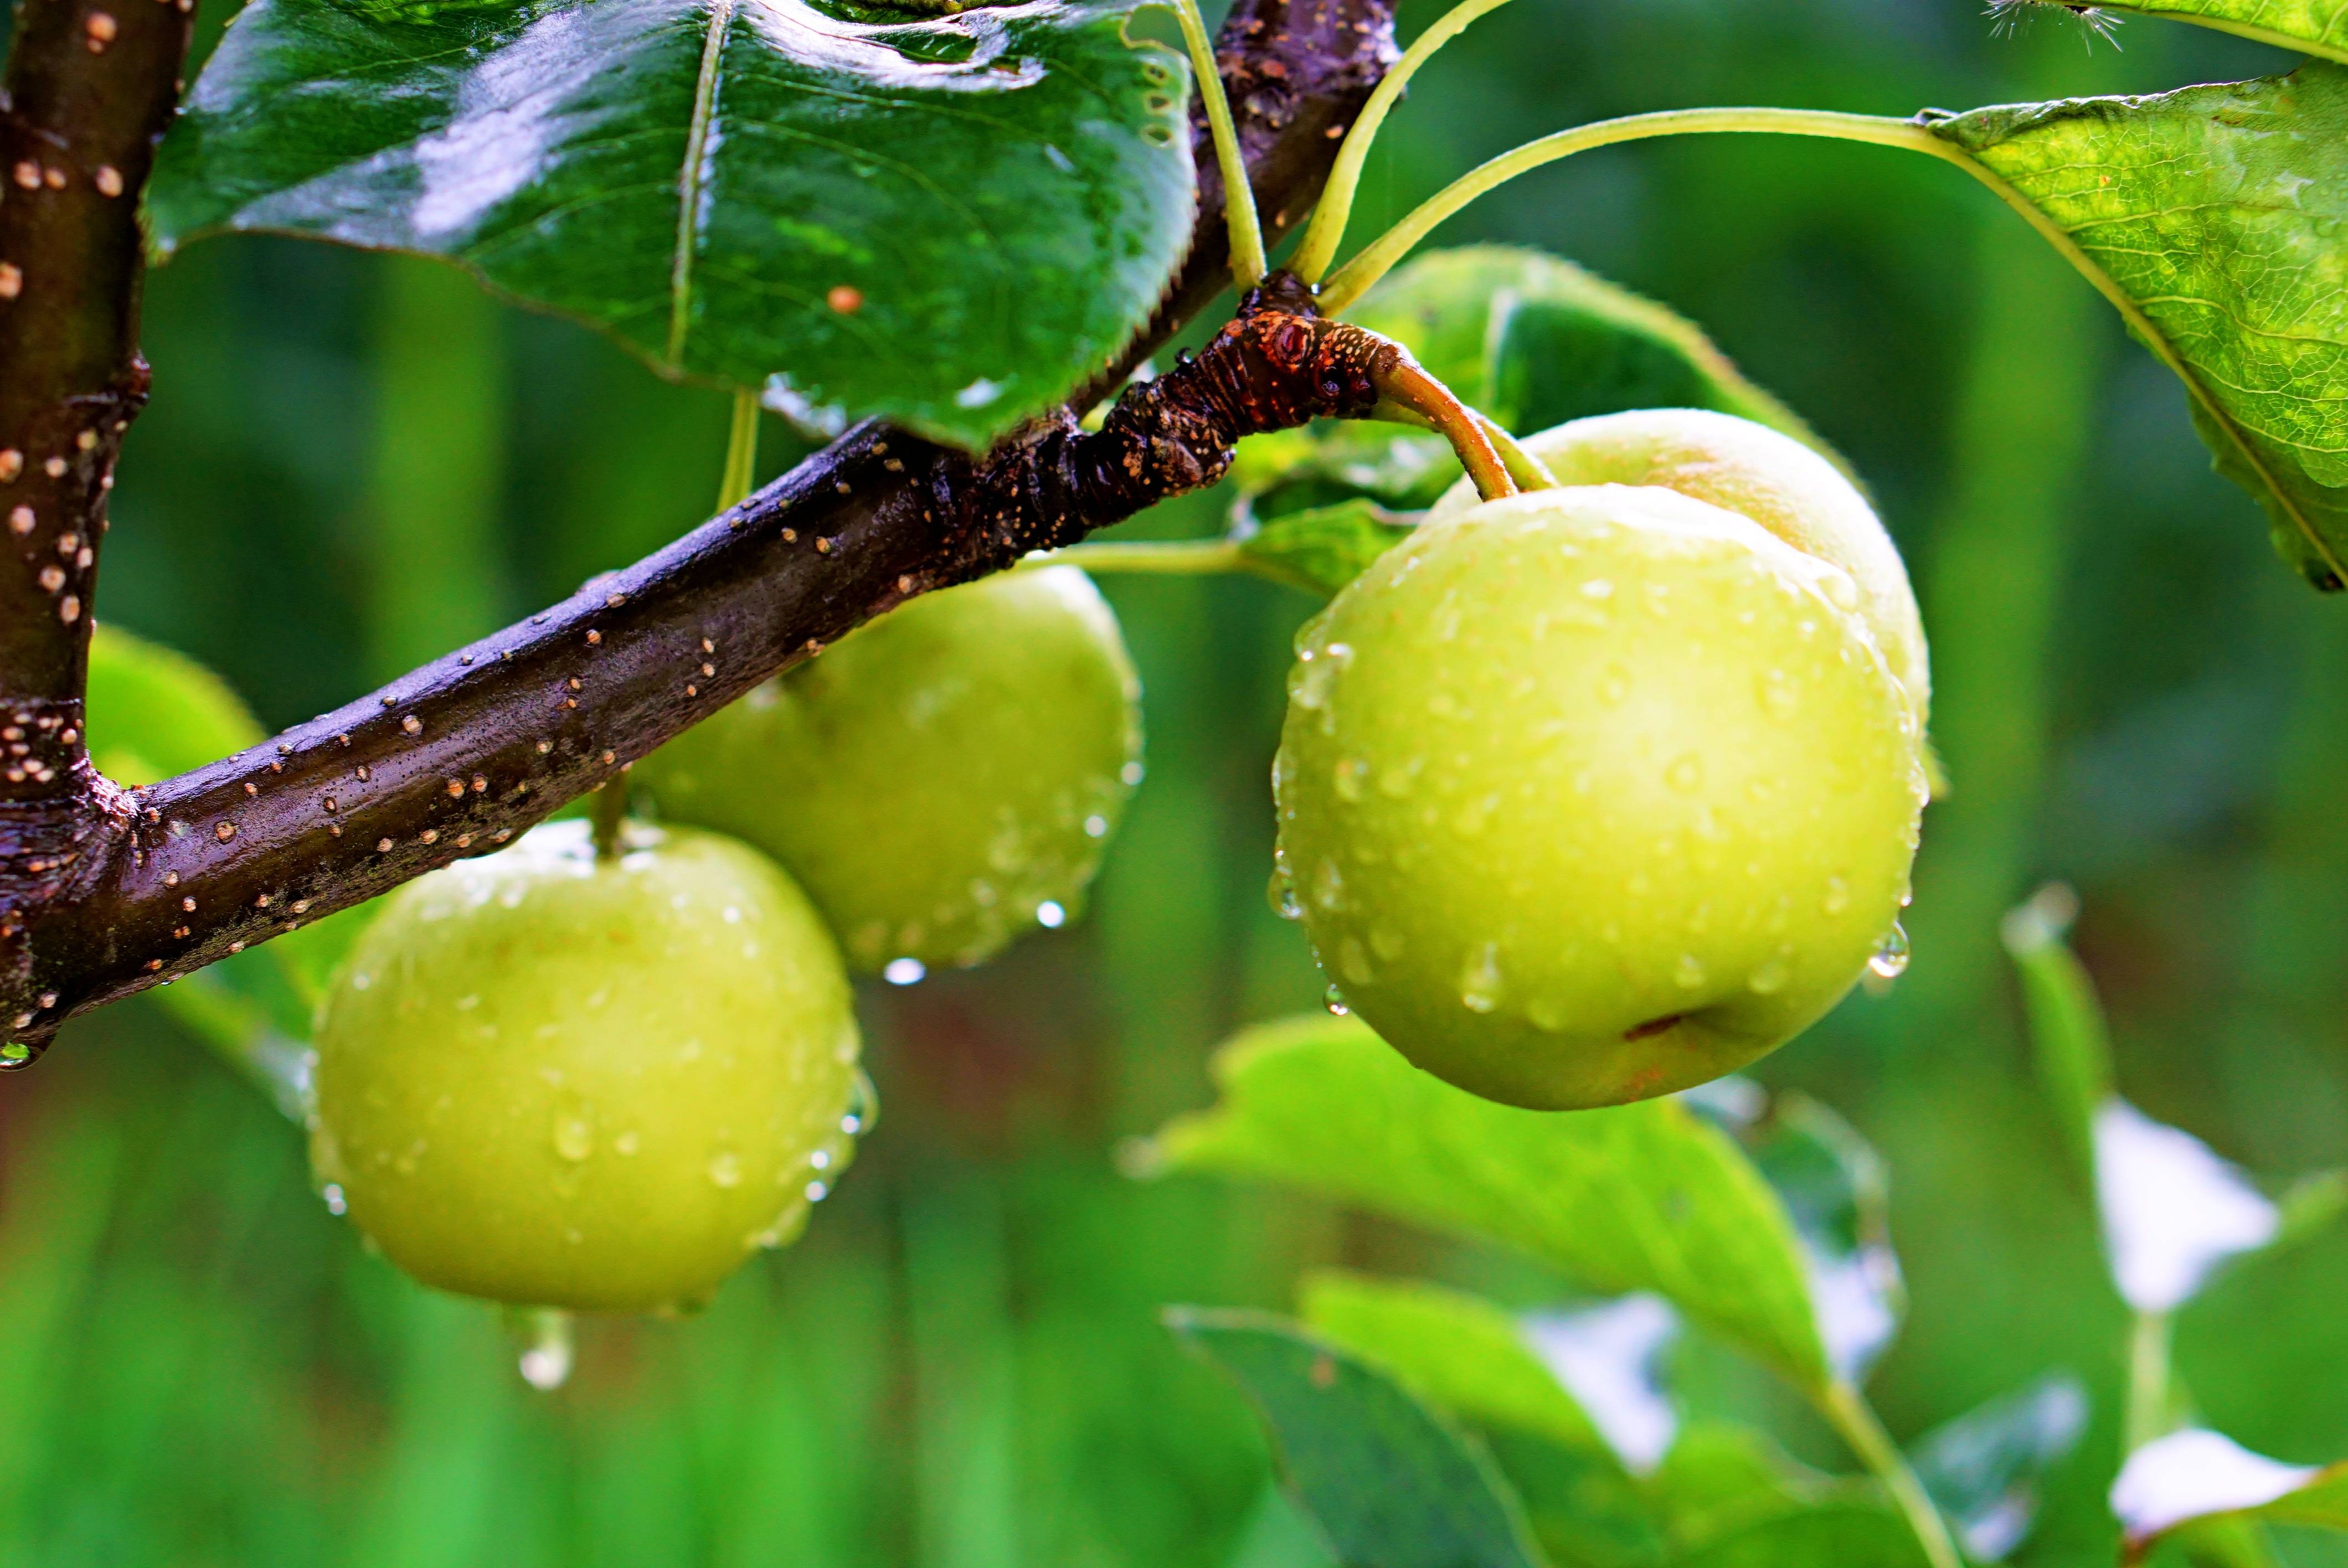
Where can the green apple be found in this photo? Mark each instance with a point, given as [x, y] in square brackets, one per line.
[1591, 794]
[939, 781]
[556, 1079]
[1757, 473]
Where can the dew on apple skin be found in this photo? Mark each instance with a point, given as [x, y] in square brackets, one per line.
[1770, 979]
[1837, 898]
[575, 1135]
[336, 1204]
[1281, 891]
[904, 972]
[1688, 973]
[1890, 961]
[725, 1169]
[1334, 1000]
[1479, 983]
[1050, 915]
[545, 1334]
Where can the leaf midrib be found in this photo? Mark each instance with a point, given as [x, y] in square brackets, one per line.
[689, 176]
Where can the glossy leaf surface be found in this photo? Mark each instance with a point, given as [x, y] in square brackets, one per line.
[2317, 27]
[1636, 1197]
[2217, 219]
[950, 222]
[1390, 1484]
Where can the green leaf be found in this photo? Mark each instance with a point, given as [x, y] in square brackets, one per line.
[1983, 1470]
[948, 221]
[1322, 548]
[1527, 338]
[2071, 1044]
[1391, 1483]
[2314, 27]
[1834, 1188]
[1848, 1535]
[2216, 218]
[1636, 1197]
[1458, 1351]
[1721, 1481]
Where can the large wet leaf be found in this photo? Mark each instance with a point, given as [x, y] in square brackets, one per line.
[1391, 1483]
[950, 222]
[2217, 219]
[1635, 1197]
[2316, 27]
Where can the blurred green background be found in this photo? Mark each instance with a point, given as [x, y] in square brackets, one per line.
[353, 463]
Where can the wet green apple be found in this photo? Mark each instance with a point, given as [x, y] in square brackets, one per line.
[1758, 472]
[941, 780]
[559, 1081]
[1591, 794]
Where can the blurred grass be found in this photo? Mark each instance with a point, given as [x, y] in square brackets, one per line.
[354, 462]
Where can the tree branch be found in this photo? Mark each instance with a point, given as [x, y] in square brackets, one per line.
[456, 758]
[88, 88]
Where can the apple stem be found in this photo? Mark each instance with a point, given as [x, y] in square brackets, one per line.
[1349, 282]
[1406, 388]
[611, 814]
[1319, 245]
[1248, 265]
[741, 452]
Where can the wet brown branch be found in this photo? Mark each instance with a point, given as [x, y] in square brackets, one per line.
[105, 891]
[88, 88]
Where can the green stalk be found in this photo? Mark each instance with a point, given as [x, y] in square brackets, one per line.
[2148, 1398]
[1239, 197]
[1847, 1411]
[1319, 245]
[741, 452]
[1162, 558]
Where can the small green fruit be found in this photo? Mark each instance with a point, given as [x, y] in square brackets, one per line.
[940, 780]
[1591, 794]
[557, 1080]
[1757, 472]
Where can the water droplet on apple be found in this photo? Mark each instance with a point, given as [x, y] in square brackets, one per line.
[1688, 973]
[575, 1135]
[1050, 915]
[1687, 774]
[1334, 1000]
[1479, 982]
[1890, 959]
[725, 1169]
[904, 972]
[1328, 885]
[545, 1334]
[1347, 777]
[336, 1203]
[1770, 979]
[1281, 894]
[1837, 898]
